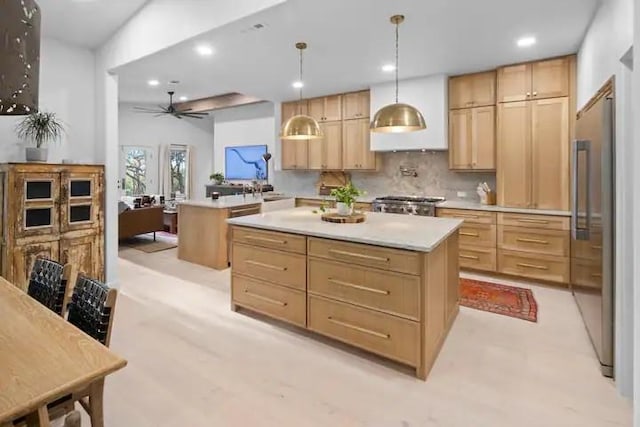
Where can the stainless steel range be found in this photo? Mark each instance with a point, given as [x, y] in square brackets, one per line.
[408, 205]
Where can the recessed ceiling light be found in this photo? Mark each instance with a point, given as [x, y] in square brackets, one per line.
[204, 50]
[526, 41]
[183, 98]
[298, 84]
[387, 68]
[153, 82]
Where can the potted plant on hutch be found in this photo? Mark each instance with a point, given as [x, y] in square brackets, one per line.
[39, 128]
[345, 198]
[217, 177]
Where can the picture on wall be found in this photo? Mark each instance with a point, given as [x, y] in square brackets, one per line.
[245, 162]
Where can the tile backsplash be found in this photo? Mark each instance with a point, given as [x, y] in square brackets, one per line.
[433, 177]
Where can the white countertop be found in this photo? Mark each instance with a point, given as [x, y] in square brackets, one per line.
[412, 232]
[224, 202]
[463, 204]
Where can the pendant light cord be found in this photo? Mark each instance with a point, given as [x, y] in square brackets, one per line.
[300, 81]
[397, 31]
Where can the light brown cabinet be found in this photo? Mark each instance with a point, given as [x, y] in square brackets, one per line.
[55, 211]
[357, 154]
[534, 80]
[326, 153]
[294, 153]
[472, 90]
[533, 154]
[355, 105]
[326, 108]
[472, 137]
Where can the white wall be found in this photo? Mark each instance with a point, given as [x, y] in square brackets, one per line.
[246, 125]
[608, 38]
[142, 129]
[67, 89]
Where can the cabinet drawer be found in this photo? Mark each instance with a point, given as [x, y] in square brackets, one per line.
[478, 235]
[245, 211]
[588, 249]
[370, 256]
[282, 268]
[469, 216]
[389, 292]
[271, 239]
[535, 240]
[379, 333]
[586, 273]
[536, 266]
[478, 258]
[534, 221]
[272, 300]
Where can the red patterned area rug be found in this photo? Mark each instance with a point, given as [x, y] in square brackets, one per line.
[500, 299]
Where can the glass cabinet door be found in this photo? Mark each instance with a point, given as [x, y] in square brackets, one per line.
[37, 204]
[81, 201]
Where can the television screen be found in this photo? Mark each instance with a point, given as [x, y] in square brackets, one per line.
[245, 162]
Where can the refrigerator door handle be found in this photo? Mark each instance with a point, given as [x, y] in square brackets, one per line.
[578, 232]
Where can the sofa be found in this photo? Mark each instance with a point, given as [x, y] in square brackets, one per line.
[132, 222]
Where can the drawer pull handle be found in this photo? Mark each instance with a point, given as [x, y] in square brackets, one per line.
[466, 233]
[596, 247]
[266, 240]
[533, 221]
[474, 257]
[597, 275]
[538, 241]
[268, 266]
[235, 211]
[359, 287]
[265, 299]
[356, 255]
[358, 328]
[537, 267]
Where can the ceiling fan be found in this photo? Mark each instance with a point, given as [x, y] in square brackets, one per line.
[171, 109]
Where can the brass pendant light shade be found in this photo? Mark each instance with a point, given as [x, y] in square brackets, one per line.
[301, 127]
[397, 117]
[19, 57]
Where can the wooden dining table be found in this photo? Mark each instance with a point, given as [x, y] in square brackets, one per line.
[44, 358]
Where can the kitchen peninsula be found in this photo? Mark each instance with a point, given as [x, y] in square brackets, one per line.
[388, 285]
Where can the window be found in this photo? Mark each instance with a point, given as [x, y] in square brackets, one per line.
[179, 170]
[135, 182]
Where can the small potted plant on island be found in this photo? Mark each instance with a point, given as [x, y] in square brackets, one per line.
[345, 198]
[39, 128]
[217, 177]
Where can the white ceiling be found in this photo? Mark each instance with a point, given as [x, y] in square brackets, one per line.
[350, 40]
[87, 23]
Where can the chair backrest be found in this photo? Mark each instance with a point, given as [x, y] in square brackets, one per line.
[48, 284]
[92, 308]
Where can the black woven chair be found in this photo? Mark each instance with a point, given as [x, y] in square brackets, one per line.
[48, 284]
[91, 308]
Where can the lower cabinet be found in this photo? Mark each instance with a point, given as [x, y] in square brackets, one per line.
[22, 258]
[85, 254]
[525, 245]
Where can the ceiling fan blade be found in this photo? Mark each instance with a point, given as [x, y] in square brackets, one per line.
[193, 117]
[159, 115]
[144, 109]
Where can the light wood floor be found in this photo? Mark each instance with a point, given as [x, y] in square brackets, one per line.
[193, 362]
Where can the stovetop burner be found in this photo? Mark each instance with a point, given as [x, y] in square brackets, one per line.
[411, 199]
[408, 205]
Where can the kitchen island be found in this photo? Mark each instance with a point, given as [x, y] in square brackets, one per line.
[388, 285]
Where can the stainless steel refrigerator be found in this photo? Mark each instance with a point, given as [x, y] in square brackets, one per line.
[593, 225]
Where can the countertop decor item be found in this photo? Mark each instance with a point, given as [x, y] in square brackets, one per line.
[354, 218]
[345, 198]
[301, 127]
[217, 177]
[397, 117]
[20, 57]
[40, 128]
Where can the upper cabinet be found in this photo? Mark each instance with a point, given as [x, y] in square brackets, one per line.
[357, 154]
[293, 108]
[326, 153]
[429, 96]
[472, 138]
[355, 105]
[326, 108]
[293, 153]
[472, 90]
[534, 80]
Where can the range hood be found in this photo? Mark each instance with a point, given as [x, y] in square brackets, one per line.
[429, 96]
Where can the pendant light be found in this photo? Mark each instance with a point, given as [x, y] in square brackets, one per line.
[397, 117]
[19, 57]
[301, 127]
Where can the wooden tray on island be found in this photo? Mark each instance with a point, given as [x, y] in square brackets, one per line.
[354, 218]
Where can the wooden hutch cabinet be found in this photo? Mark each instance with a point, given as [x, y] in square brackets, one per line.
[51, 210]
